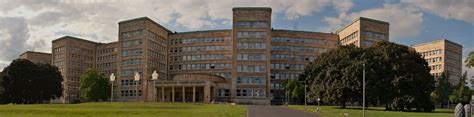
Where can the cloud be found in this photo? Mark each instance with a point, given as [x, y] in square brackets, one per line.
[13, 36]
[404, 21]
[449, 9]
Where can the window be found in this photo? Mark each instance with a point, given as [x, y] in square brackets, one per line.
[131, 33]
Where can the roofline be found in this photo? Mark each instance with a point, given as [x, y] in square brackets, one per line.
[145, 18]
[300, 31]
[204, 31]
[71, 37]
[253, 8]
[434, 41]
[34, 52]
[362, 18]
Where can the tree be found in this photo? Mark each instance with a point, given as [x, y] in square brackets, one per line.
[295, 91]
[470, 60]
[25, 82]
[397, 77]
[462, 93]
[94, 87]
[443, 89]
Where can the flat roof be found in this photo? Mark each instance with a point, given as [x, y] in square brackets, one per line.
[34, 52]
[434, 41]
[76, 38]
[203, 31]
[363, 18]
[145, 18]
[252, 8]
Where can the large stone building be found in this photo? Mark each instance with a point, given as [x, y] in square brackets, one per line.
[364, 32]
[37, 57]
[442, 56]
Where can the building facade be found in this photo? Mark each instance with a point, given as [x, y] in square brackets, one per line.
[245, 64]
[37, 57]
[442, 56]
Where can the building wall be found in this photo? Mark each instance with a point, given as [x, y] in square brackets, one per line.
[72, 56]
[37, 57]
[442, 56]
[251, 36]
[291, 51]
[363, 32]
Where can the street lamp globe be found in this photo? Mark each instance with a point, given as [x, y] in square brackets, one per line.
[112, 77]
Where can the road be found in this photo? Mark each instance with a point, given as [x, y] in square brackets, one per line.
[275, 111]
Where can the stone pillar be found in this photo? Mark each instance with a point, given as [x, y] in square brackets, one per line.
[184, 95]
[172, 93]
[162, 93]
[194, 93]
[207, 92]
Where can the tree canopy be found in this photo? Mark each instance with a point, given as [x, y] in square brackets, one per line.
[470, 60]
[396, 76]
[24, 82]
[462, 93]
[94, 87]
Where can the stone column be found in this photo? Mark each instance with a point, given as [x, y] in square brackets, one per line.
[194, 93]
[172, 93]
[207, 92]
[184, 95]
[162, 93]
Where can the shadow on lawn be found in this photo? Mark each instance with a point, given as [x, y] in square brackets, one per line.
[383, 109]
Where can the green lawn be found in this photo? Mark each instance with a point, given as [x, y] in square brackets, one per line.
[124, 109]
[335, 111]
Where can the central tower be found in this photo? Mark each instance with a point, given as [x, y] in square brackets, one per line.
[251, 28]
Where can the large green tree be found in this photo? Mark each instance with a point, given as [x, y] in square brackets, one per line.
[443, 89]
[462, 93]
[396, 76]
[94, 87]
[470, 60]
[295, 90]
[25, 82]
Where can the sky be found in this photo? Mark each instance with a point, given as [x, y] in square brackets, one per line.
[33, 24]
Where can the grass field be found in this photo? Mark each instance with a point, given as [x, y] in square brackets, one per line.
[123, 109]
[335, 111]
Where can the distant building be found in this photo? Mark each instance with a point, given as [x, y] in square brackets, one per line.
[363, 32]
[37, 57]
[442, 56]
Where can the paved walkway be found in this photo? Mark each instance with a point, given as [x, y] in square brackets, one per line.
[275, 111]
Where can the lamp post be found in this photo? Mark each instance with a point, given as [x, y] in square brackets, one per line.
[319, 108]
[154, 77]
[363, 90]
[112, 79]
[137, 78]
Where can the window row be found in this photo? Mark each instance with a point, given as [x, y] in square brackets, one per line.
[223, 93]
[156, 54]
[434, 60]
[251, 80]
[132, 43]
[132, 52]
[350, 37]
[59, 49]
[132, 62]
[287, 66]
[252, 57]
[432, 52]
[159, 39]
[251, 45]
[298, 49]
[75, 64]
[127, 93]
[131, 72]
[200, 40]
[157, 46]
[373, 35]
[198, 48]
[201, 66]
[303, 40]
[251, 68]
[436, 67]
[106, 50]
[130, 82]
[107, 57]
[251, 34]
[81, 57]
[199, 57]
[250, 93]
[59, 56]
[131, 33]
[73, 49]
[251, 24]
[106, 65]
[293, 57]
[284, 76]
[277, 86]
